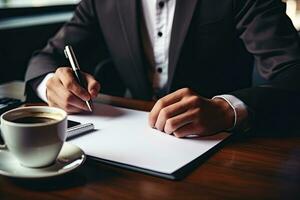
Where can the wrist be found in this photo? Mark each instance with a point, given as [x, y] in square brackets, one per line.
[227, 113]
[41, 89]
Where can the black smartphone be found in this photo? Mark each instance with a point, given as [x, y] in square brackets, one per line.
[72, 123]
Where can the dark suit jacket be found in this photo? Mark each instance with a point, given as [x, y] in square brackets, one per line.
[212, 48]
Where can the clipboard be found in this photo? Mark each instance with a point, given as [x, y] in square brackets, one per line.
[177, 175]
[124, 139]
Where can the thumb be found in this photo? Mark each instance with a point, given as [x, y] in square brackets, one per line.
[93, 86]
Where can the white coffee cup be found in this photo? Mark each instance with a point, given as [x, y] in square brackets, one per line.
[34, 135]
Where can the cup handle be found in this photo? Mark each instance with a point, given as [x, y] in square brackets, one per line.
[2, 146]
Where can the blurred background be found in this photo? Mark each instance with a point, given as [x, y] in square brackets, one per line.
[26, 25]
[26, 3]
[293, 6]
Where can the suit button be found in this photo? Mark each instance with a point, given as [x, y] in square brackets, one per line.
[161, 4]
[160, 34]
[159, 70]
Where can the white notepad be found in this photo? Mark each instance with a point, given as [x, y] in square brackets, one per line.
[124, 137]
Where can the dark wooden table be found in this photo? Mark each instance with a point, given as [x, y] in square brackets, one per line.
[245, 168]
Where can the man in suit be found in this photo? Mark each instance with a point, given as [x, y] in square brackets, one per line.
[195, 56]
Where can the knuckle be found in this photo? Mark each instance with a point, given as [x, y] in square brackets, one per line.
[63, 72]
[170, 126]
[59, 70]
[67, 69]
[160, 103]
[195, 101]
[164, 113]
[186, 90]
[94, 84]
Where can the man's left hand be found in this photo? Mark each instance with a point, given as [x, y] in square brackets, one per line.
[184, 113]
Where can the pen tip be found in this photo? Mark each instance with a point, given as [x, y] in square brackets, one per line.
[89, 106]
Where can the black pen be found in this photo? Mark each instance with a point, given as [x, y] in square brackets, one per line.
[75, 66]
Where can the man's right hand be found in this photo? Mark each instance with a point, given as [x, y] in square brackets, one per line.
[64, 92]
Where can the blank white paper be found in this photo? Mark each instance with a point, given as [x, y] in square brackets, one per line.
[124, 136]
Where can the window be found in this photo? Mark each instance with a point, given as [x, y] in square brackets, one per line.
[34, 3]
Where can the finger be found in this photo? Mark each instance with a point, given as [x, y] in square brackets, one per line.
[69, 100]
[92, 85]
[175, 123]
[69, 109]
[162, 103]
[186, 103]
[189, 129]
[73, 100]
[65, 99]
[169, 112]
[69, 81]
[73, 110]
[179, 94]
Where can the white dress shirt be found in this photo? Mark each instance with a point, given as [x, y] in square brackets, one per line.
[159, 15]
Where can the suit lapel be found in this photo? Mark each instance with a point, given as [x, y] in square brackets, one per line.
[129, 18]
[182, 18]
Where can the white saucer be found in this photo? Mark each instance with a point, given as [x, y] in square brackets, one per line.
[69, 158]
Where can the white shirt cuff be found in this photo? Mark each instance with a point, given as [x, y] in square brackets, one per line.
[239, 108]
[40, 87]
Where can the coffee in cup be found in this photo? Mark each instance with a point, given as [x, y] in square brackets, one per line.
[34, 135]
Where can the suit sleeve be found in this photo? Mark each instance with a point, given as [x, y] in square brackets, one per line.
[270, 37]
[83, 33]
